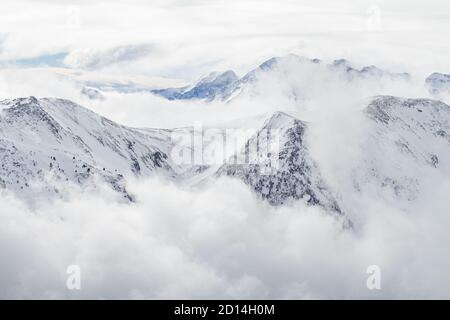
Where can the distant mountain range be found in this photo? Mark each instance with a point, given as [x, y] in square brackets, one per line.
[227, 85]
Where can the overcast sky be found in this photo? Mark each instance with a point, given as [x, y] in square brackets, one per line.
[186, 39]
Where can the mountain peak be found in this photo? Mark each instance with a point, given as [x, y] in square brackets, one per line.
[52, 140]
[28, 100]
[342, 62]
[30, 106]
[31, 100]
[438, 83]
[284, 174]
[227, 85]
[272, 62]
[280, 119]
[269, 64]
[217, 78]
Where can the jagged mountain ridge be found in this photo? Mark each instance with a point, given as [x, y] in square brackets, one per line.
[208, 88]
[56, 142]
[49, 143]
[406, 140]
[227, 85]
[294, 175]
[52, 140]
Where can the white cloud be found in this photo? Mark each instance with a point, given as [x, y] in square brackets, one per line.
[218, 243]
[91, 59]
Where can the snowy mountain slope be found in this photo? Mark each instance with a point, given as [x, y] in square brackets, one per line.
[284, 71]
[213, 86]
[409, 140]
[292, 176]
[51, 140]
[294, 74]
[47, 145]
[367, 72]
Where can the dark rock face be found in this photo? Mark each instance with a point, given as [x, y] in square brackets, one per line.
[295, 176]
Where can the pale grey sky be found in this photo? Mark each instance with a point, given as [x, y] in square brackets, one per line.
[185, 39]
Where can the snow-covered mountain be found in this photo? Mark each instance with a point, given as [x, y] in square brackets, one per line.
[213, 86]
[48, 145]
[406, 141]
[227, 85]
[438, 83]
[293, 175]
[409, 140]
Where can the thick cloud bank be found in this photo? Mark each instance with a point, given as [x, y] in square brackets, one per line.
[219, 242]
